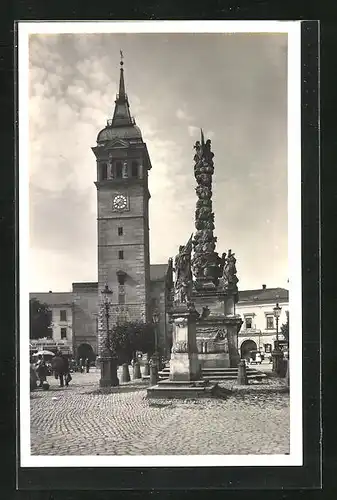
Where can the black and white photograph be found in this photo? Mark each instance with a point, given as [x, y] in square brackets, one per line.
[160, 243]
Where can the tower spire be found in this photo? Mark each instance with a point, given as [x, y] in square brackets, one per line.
[121, 116]
[121, 94]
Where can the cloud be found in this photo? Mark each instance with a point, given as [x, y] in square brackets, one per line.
[183, 115]
[193, 131]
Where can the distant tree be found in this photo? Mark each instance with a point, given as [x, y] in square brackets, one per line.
[125, 339]
[285, 329]
[40, 320]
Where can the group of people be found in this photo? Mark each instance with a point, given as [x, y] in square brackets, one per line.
[83, 365]
[61, 367]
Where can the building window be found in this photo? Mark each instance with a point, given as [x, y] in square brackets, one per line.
[249, 322]
[120, 231]
[63, 333]
[119, 170]
[270, 322]
[134, 169]
[121, 254]
[63, 315]
[103, 171]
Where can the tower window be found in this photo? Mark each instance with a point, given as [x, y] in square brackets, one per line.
[120, 231]
[121, 254]
[134, 169]
[119, 170]
[104, 171]
[63, 333]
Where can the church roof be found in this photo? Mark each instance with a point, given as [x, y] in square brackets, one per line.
[263, 294]
[158, 272]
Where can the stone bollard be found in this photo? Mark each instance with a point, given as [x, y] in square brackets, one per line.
[136, 370]
[125, 373]
[277, 356]
[242, 373]
[287, 373]
[153, 374]
[146, 368]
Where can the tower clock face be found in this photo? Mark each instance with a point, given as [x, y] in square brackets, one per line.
[120, 202]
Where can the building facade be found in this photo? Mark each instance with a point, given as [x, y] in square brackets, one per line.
[61, 306]
[258, 331]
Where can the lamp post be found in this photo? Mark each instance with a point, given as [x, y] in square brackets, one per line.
[106, 292]
[155, 320]
[277, 354]
[277, 313]
[108, 359]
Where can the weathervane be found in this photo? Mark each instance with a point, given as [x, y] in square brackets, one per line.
[122, 57]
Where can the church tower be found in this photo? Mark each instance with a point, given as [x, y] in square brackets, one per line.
[123, 212]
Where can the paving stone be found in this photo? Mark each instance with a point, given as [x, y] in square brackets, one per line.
[82, 421]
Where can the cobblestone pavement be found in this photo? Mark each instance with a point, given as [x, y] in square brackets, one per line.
[81, 420]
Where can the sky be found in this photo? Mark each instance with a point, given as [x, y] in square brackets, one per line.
[234, 86]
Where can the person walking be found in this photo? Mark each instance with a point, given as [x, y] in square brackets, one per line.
[61, 368]
[87, 365]
[82, 365]
[41, 369]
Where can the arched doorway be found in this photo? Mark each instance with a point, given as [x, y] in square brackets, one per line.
[246, 347]
[85, 351]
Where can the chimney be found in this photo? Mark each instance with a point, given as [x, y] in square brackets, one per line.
[264, 287]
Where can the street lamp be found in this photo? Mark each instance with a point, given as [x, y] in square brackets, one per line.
[277, 313]
[277, 354]
[108, 359]
[106, 293]
[155, 320]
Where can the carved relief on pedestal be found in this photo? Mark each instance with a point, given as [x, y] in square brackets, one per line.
[180, 347]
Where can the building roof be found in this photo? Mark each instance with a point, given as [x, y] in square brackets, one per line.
[158, 272]
[53, 298]
[84, 285]
[263, 294]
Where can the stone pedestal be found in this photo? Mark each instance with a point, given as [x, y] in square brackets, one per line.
[184, 363]
[153, 374]
[287, 373]
[185, 372]
[277, 356]
[217, 337]
[136, 371]
[146, 369]
[242, 373]
[125, 373]
[217, 332]
[108, 366]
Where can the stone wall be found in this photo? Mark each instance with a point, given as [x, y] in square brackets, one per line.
[85, 315]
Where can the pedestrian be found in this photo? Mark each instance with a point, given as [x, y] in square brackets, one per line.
[81, 365]
[87, 365]
[61, 368]
[41, 369]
